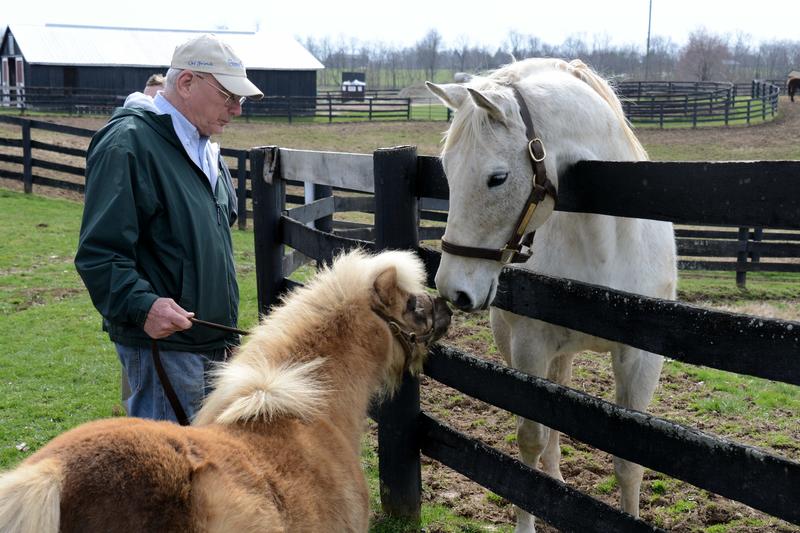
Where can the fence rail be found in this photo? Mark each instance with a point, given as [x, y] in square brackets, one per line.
[734, 342]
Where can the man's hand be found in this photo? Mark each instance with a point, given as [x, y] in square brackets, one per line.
[165, 318]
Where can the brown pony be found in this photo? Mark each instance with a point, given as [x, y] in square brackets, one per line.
[792, 86]
[276, 446]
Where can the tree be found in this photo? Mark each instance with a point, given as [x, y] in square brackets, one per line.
[704, 56]
[428, 52]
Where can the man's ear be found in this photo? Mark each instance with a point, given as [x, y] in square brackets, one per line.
[183, 83]
[385, 287]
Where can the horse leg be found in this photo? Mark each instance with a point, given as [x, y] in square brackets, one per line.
[636, 373]
[531, 352]
[561, 373]
[501, 331]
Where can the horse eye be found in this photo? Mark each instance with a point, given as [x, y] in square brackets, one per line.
[497, 179]
[411, 304]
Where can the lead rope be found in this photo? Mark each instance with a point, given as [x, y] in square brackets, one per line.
[166, 384]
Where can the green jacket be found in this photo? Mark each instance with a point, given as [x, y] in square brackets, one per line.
[152, 227]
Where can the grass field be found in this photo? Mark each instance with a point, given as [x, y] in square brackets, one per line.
[57, 368]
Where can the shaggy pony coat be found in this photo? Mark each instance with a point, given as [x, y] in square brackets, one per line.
[276, 446]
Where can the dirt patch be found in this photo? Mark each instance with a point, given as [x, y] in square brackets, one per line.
[667, 502]
[27, 298]
[736, 142]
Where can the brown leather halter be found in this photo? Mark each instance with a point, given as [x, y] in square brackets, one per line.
[517, 249]
[408, 339]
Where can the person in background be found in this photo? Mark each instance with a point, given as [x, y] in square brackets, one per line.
[155, 244]
[154, 84]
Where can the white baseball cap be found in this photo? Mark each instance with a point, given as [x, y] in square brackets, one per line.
[207, 53]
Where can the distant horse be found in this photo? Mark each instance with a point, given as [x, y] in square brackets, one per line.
[503, 169]
[792, 86]
[276, 446]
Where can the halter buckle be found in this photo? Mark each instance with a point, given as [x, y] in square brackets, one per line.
[541, 145]
[507, 254]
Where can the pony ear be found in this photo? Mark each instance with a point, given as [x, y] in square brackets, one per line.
[451, 94]
[385, 287]
[481, 101]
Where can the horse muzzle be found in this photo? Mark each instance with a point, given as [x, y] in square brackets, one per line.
[441, 318]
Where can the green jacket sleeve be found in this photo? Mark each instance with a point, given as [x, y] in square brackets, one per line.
[116, 196]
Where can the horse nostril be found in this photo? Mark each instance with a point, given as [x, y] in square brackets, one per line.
[462, 301]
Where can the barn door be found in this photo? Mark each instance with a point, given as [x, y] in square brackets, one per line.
[20, 78]
[4, 83]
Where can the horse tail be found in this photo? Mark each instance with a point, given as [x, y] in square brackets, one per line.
[264, 390]
[30, 498]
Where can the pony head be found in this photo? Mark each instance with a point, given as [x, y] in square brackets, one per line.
[488, 166]
[356, 326]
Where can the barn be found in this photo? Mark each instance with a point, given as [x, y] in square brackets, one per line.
[117, 61]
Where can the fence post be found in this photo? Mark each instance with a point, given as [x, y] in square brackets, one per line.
[741, 258]
[370, 109]
[27, 157]
[758, 236]
[241, 188]
[268, 205]
[325, 223]
[289, 110]
[330, 109]
[408, 108]
[748, 111]
[694, 115]
[396, 227]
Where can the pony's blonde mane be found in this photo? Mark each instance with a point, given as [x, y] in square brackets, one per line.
[468, 124]
[267, 379]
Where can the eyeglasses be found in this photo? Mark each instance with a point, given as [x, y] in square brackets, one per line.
[229, 97]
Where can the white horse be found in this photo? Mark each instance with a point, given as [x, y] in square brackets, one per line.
[489, 159]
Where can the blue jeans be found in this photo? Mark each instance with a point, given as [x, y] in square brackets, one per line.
[187, 371]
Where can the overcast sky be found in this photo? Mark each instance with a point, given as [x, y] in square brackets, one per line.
[405, 22]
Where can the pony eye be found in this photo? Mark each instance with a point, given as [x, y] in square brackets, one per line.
[497, 179]
[411, 304]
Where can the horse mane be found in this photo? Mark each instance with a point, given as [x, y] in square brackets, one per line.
[467, 126]
[272, 375]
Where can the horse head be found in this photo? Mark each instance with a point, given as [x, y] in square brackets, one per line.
[493, 162]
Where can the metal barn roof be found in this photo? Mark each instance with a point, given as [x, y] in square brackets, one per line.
[66, 44]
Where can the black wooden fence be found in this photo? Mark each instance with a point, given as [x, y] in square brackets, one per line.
[680, 192]
[698, 103]
[328, 106]
[61, 165]
[29, 166]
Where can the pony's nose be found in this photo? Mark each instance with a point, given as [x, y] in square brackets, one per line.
[463, 301]
[441, 316]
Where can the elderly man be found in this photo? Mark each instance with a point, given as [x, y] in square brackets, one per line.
[155, 244]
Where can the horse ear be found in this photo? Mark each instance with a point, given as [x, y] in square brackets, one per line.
[385, 287]
[451, 94]
[481, 101]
